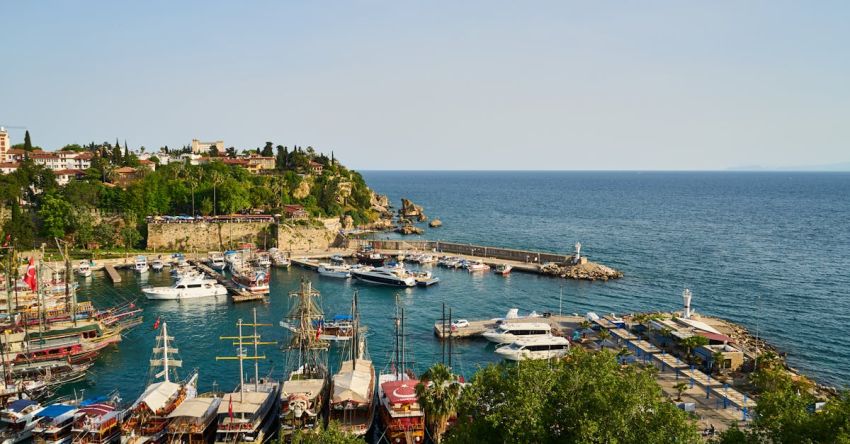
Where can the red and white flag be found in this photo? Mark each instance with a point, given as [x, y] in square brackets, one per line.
[30, 278]
[230, 408]
[319, 329]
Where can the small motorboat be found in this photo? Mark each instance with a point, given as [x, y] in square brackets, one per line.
[477, 266]
[504, 269]
[188, 287]
[335, 271]
[157, 264]
[84, 269]
[141, 265]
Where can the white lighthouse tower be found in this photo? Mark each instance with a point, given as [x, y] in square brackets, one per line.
[686, 296]
[577, 257]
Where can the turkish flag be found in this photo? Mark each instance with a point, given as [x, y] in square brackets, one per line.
[156, 323]
[230, 408]
[30, 278]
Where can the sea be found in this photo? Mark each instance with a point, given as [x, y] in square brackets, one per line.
[768, 250]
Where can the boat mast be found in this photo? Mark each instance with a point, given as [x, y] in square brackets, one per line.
[165, 350]
[240, 355]
[257, 343]
[403, 358]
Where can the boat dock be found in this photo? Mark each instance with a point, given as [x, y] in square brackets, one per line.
[113, 275]
[477, 327]
[237, 294]
[306, 263]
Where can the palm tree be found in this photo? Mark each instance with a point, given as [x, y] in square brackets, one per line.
[717, 360]
[692, 342]
[584, 325]
[623, 354]
[603, 335]
[680, 388]
[439, 395]
[215, 178]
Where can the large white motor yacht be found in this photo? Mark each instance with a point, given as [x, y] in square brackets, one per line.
[188, 287]
[336, 271]
[508, 332]
[384, 276]
[535, 348]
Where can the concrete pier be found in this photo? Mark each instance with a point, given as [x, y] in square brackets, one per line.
[113, 275]
[559, 323]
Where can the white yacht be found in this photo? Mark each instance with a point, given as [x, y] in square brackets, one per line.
[141, 265]
[335, 271]
[84, 269]
[18, 420]
[508, 332]
[384, 276]
[188, 287]
[217, 261]
[477, 266]
[535, 348]
[157, 265]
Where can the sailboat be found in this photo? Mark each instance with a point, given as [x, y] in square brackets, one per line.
[353, 387]
[402, 418]
[248, 414]
[146, 420]
[304, 393]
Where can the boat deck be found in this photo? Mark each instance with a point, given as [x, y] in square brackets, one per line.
[477, 327]
[237, 294]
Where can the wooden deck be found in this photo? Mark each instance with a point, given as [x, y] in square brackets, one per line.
[113, 275]
[477, 327]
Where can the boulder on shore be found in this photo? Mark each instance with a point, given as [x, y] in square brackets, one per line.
[435, 223]
[408, 229]
[410, 210]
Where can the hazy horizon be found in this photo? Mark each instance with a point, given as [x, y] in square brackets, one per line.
[554, 86]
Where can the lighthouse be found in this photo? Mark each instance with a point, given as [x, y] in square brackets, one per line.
[577, 257]
[686, 296]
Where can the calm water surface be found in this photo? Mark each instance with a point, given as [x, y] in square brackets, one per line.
[768, 250]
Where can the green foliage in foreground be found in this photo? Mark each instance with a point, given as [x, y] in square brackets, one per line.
[333, 434]
[585, 398]
[785, 412]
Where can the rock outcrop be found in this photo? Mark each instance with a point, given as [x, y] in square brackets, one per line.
[435, 223]
[303, 189]
[408, 229]
[589, 271]
[380, 204]
[410, 210]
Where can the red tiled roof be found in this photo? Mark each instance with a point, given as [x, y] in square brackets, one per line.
[9, 165]
[125, 170]
[67, 172]
[714, 336]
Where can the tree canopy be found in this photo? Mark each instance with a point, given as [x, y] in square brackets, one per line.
[584, 398]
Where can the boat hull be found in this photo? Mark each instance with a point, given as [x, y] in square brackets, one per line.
[381, 280]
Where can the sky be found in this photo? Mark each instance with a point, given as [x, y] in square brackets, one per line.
[448, 85]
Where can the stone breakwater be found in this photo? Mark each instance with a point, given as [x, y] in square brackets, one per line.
[589, 271]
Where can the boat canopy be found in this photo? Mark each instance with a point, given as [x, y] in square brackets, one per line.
[353, 384]
[310, 387]
[343, 317]
[55, 410]
[158, 394]
[96, 400]
[400, 392]
[97, 409]
[247, 402]
[196, 408]
[20, 404]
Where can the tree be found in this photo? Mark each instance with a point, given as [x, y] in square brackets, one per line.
[333, 434]
[57, 216]
[680, 388]
[215, 178]
[692, 342]
[27, 141]
[20, 226]
[584, 398]
[213, 151]
[603, 336]
[268, 150]
[230, 152]
[717, 361]
[438, 393]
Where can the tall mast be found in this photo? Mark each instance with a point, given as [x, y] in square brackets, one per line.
[241, 360]
[397, 363]
[165, 350]
[403, 358]
[240, 355]
[451, 338]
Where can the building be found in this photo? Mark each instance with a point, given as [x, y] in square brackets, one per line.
[60, 160]
[126, 175]
[316, 168]
[733, 358]
[8, 167]
[199, 147]
[294, 212]
[5, 144]
[258, 164]
[149, 164]
[65, 176]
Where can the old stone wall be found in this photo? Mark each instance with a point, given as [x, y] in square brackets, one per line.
[296, 238]
[207, 236]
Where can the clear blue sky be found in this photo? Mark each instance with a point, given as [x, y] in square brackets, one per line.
[441, 85]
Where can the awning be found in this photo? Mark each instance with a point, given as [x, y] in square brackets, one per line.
[195, 407]
[715, 336]
[157, 395]
[353, 384]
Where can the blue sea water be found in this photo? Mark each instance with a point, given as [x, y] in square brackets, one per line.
[768, 250]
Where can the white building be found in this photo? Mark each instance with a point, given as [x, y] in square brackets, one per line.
[199, 147]
[62, 160]
[5, 144]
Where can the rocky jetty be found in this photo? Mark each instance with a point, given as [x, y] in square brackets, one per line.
[408, 229]
[435, 223]
[589, 271]
[411, 211]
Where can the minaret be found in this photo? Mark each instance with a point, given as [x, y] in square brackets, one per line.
[686, 296]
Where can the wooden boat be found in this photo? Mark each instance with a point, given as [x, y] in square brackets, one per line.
[303, 395]
[249, 414]
[54, 424]
[147, 419]
[97, 422]
[353, 386]
[370, 258]
[18, 421]
[402, 418]
[194, 421]
[255, 281]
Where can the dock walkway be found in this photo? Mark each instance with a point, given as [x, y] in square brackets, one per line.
[113, 275]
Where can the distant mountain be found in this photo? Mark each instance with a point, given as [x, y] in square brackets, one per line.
[841, 167]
